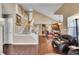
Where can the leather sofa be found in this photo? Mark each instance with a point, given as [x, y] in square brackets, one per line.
[63, 42]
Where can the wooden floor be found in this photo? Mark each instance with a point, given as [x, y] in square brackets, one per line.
[20, 49]
[45, 47]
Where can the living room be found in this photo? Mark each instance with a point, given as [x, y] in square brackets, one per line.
[31, 29]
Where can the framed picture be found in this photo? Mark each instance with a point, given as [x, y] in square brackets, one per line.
[18, 20]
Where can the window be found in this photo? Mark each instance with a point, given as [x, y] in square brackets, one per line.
[72, 27]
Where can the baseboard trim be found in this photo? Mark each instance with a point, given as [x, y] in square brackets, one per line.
[22, 44]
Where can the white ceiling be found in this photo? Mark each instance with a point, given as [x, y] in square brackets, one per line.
[47, 9]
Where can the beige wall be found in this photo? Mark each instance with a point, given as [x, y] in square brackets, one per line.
[0, 10]
[8, 8]
[41, 19]
[67, 10]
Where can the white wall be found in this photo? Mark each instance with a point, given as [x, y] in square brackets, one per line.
[1, 39]
[1, 35]
[8, 31]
